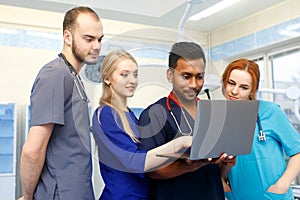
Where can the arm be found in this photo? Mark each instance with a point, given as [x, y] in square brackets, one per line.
[176, 169]
[152, 161]
[33, 158]
[154, 126]
[225, 162]
[284, 182]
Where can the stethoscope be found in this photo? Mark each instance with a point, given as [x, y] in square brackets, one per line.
[183, 114]
[77, 80]
[261, 134]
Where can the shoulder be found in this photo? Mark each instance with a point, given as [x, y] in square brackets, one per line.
[105, 111]
[267, 108]
[267, 105]
[56, 65]
[55, 69]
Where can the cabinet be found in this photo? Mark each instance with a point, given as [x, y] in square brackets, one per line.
[7, 150]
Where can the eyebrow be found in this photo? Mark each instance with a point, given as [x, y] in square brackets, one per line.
[201, 73]
[90, 36]
[241, 84]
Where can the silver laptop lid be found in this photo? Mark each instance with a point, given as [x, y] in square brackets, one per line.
[223, 126]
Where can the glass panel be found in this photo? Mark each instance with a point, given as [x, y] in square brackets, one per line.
[286, 73]
[260, 63]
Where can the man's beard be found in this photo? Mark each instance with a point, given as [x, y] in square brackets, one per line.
[80, 56]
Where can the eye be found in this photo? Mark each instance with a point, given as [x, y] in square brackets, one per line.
[231, 83]
[124, 75]
[245, 88]
[200, 77]
[135, 75]
[186, 76]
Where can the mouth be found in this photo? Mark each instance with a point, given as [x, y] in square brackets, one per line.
[192, 93]
[232, 98]
[94, 55]
[131, 88]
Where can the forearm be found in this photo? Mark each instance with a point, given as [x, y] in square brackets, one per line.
[291, 171]
[172, 170]
[153, 161]
[33, 158]
[224, 170]
[225, 163]
[30, 171]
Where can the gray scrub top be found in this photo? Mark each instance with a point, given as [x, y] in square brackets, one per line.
[68, 168]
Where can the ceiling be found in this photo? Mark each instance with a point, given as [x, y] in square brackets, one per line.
[162, 13]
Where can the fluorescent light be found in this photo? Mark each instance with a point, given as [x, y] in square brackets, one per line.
[213, 9]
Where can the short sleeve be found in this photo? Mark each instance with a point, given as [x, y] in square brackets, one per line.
[48, 95]
[283, 130]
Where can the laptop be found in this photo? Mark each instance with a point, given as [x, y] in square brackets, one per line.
[221, 126]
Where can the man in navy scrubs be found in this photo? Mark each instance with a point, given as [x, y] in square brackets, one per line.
[56, 160]
[173, 116]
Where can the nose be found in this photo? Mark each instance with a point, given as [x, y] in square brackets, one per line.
[193, 82]
[133, 78]
[97, 45]
[234, 90]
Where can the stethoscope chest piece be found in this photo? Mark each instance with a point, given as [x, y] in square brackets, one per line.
[261, 135]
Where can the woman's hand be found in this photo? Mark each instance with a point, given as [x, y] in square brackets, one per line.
[184, 142]
[278, 188]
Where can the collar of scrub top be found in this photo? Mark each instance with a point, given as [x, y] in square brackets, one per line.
[261, 134]
[77, 80]
[171, 97]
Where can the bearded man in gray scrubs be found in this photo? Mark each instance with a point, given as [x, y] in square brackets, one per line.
[56, 160]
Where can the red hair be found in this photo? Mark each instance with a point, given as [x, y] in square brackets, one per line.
[243, 64]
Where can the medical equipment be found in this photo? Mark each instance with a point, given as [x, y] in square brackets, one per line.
[183, 114]
[261, 134]
[77, 80]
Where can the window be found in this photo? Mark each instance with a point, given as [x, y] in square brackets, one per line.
[286, 73]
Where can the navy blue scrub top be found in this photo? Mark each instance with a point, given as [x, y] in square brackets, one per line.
[157, 127]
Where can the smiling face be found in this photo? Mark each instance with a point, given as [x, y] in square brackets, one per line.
[239, 85]
[124, 80]
[187, 79]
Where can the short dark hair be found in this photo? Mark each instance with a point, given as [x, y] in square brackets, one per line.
[70, 19]
[186, 50]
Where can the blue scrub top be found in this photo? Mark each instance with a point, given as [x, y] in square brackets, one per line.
[254, 173]
[121, 162]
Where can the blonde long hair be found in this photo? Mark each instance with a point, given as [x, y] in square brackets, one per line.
[109, 65]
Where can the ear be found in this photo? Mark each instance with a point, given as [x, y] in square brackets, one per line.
[170, 75]
[68, 37]
[107, 81]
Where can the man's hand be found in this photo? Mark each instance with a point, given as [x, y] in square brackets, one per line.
[193, 165]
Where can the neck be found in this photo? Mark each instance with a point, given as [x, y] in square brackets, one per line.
[189, 106]
[119, 102]
[72, 60]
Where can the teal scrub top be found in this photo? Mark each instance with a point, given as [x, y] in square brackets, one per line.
[254, 173]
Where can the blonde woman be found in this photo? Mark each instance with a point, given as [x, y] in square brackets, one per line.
[122, 164]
